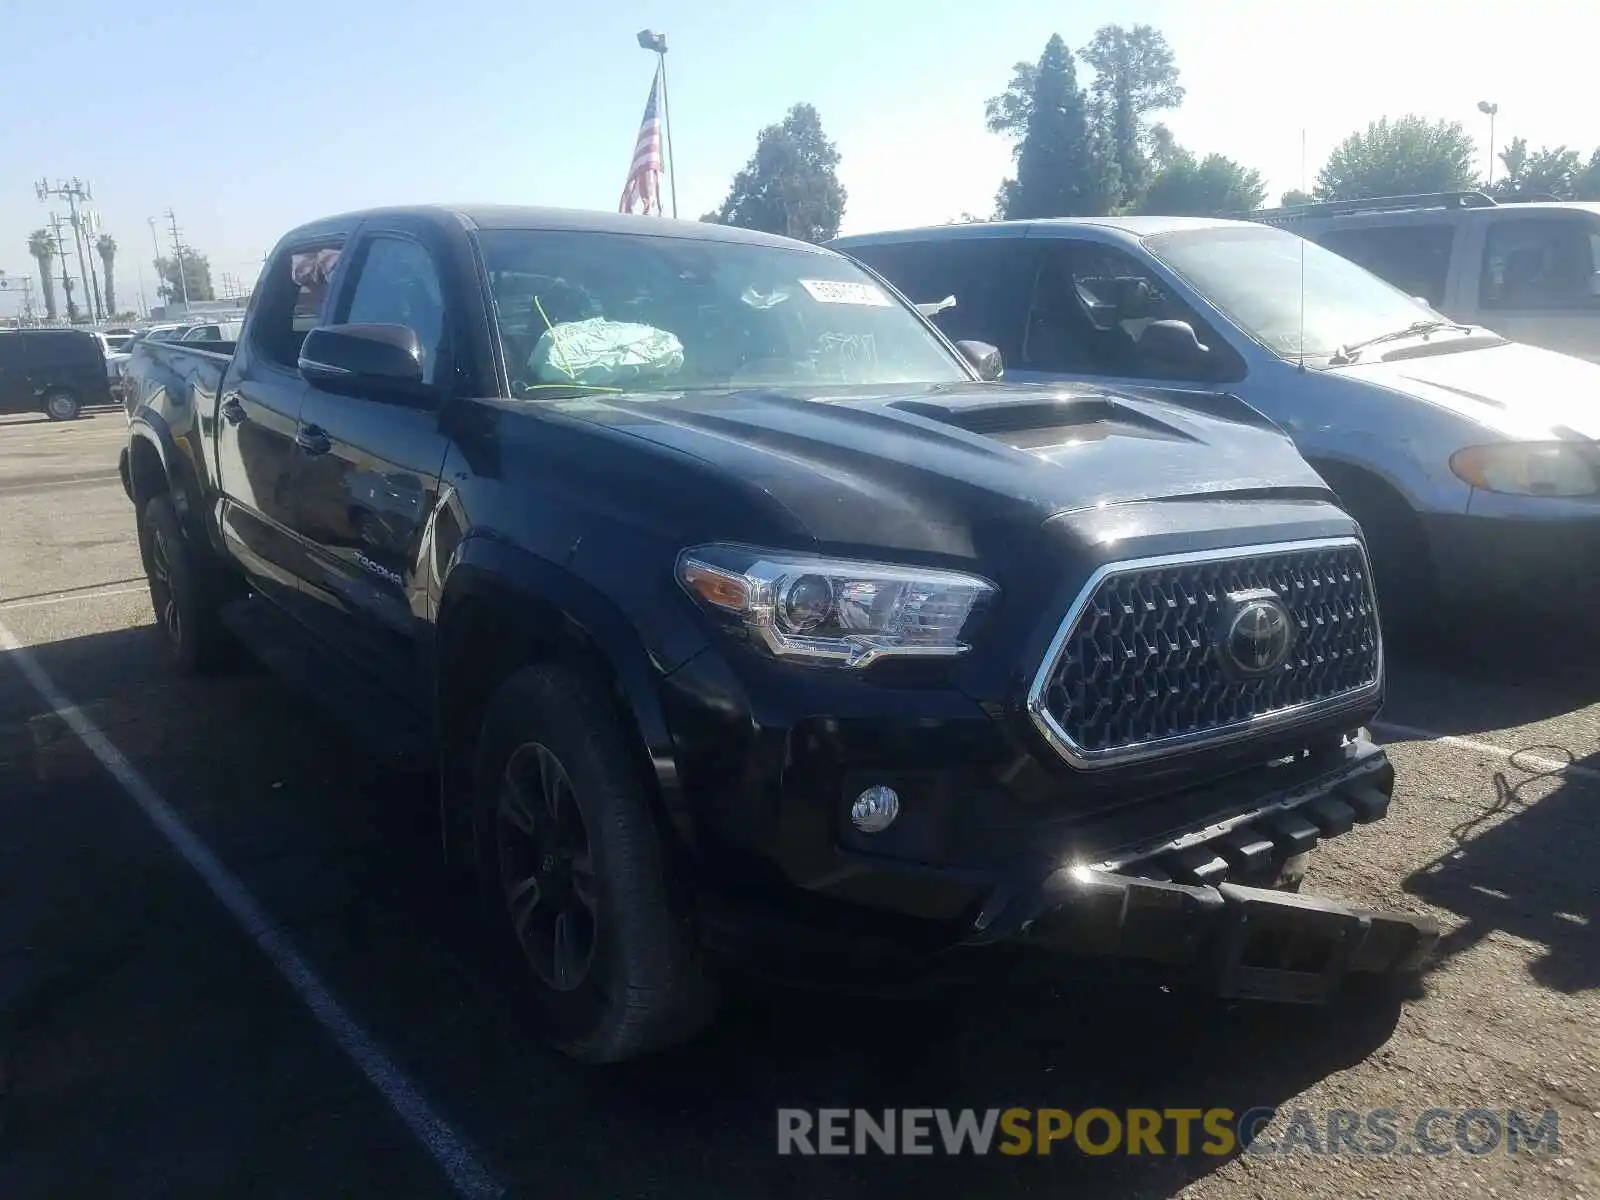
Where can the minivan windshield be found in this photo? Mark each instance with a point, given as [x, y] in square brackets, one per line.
[1252, 273]
[582, 311]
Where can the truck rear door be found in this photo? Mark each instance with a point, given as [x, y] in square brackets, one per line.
[258, 419]
[370, 466]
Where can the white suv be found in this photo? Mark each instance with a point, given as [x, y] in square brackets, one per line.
[1528, 271]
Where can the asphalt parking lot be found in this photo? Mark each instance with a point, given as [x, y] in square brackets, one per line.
[232, 964]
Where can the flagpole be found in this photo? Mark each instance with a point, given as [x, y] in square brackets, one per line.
[649, 39]
[666, 125]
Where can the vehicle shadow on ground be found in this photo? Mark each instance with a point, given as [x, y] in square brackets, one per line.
[346, 854]
[1484, 676]
[1531, 874]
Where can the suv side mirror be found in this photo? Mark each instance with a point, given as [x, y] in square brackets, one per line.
[378, 362]
[1173, 342]
[985, 359]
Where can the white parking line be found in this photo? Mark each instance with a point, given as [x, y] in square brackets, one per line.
[1535, 764]
[470, 1177]
[37, 601]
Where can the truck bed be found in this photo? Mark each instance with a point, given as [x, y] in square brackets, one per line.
[193, 370]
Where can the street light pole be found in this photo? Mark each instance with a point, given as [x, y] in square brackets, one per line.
[656, 43]
[1489, 110]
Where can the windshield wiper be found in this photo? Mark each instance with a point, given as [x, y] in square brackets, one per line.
[1345, 355]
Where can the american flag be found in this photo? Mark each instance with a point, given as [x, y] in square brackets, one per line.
[644, 176]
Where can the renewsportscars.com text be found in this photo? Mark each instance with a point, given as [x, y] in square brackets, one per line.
[1218, 1132]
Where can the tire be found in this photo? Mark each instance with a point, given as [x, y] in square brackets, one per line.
[1402, 565]
[186, 609]
[61, 405]
[564, 837]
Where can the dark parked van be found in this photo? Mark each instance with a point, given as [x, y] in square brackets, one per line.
[54, 371]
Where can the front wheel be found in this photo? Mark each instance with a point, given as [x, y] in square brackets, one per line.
[61, 406]
[575, 874]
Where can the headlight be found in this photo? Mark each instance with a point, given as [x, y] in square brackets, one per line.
[1528, 469]
[827, 610]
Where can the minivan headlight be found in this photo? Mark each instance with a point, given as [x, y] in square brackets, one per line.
[1528, 469]
[835, 611]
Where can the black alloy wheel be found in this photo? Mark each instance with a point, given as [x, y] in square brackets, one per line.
[547, 872]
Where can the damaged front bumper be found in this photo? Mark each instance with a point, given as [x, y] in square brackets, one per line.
[1230, 940]
[1189, 907]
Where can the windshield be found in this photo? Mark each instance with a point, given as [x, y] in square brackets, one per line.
[645, 313]
[1253, 274]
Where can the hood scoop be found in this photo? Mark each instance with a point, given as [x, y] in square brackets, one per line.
[1030, 423]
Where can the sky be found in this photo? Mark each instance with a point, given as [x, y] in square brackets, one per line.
[247, 117]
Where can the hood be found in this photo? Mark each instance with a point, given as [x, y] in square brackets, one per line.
[923, 467]
[1518, 391]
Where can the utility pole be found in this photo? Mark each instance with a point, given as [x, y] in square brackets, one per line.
[155, 244]
[91, 227]
[177, 257]
[1489, 110]
[72, 191]
[66, 278]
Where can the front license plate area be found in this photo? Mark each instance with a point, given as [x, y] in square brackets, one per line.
[1281, 947]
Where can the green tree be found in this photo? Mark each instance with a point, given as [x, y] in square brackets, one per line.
[1007, 114]
[1060, 171]
[1543, 174]
[1135, 75]
[196, 282]
[1396, 158]
[791, 184]
[42, 245]
[1587, 184]
[1209, 187]
[1294, 197]
[106, 247]
[1164, 148]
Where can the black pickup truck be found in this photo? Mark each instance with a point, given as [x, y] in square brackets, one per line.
[748, 622]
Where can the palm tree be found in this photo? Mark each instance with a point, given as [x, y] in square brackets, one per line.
[106, 247]
[42, 245]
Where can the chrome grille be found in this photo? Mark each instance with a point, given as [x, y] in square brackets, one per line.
[1135, 669]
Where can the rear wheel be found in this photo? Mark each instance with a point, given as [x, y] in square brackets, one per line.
[61, 405]
[576, 877]
[186, 609]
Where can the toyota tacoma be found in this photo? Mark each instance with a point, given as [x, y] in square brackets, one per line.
[746, 620]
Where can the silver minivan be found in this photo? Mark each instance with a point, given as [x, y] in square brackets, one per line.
[1470, 460]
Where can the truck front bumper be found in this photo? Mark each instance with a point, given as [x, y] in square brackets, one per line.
[1231, 940]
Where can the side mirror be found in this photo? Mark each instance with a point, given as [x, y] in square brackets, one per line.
[376, 362]
[985, 359]
[1173, 342]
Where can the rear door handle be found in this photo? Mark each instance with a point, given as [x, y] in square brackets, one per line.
[232, 410]
[312, 440]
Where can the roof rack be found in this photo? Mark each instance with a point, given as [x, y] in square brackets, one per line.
[1328, 208]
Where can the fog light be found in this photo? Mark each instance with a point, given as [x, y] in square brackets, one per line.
[875, 809]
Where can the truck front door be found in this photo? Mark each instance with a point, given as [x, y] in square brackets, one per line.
[370, 466]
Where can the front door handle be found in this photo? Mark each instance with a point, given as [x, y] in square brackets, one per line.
[312, 440]
[232, 410]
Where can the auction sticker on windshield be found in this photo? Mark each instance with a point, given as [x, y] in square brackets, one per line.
[835, 291]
